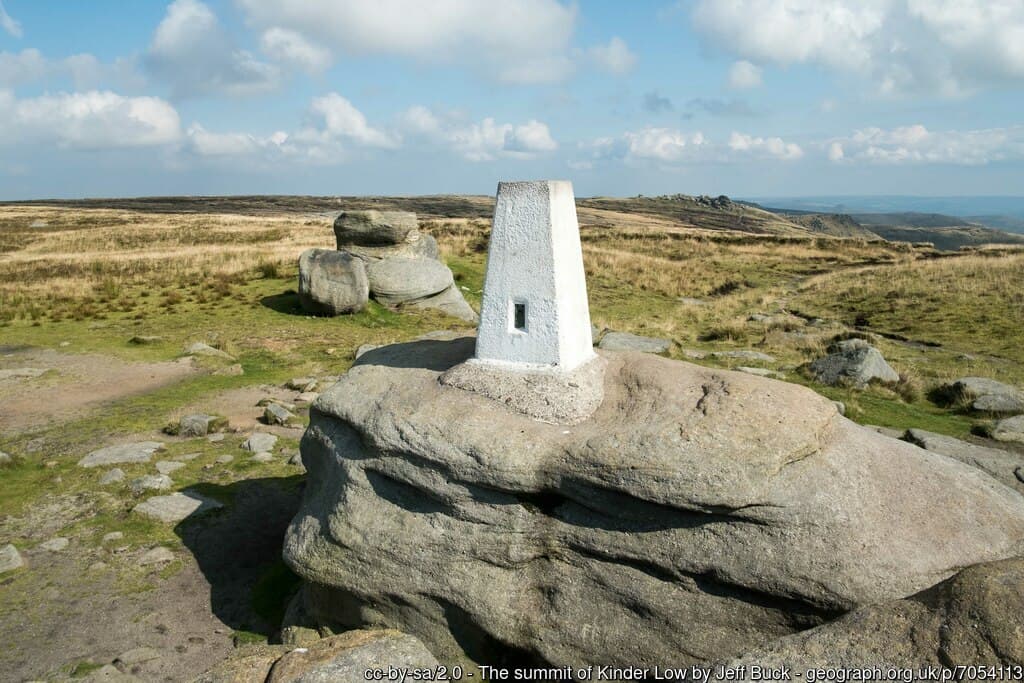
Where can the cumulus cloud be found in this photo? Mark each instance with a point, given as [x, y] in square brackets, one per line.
[941, 46]
[483, 140]
[916, 144]
[88, 120]
[8, 23]
[672, 147]
[84, 71]
[774, 148]
[205, 143]
[191, 51]
[614, 58]
[293, 48]
[743, 74]
[527, 41]
[341, 120]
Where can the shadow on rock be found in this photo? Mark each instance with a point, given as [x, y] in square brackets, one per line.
[428, 354]
[239, 550]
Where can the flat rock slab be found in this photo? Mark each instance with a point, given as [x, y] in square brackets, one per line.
[150, 482]
[176, 507]
[126, 453]
[347, 657]
[624, 341]
[55, 545]
[395, 281]
[259, 442]
[1009, 429]
[999, 463]
[697, 514]
[10, 559]
[449, 301]
[744, 354]
[21, 373]
[204, 349]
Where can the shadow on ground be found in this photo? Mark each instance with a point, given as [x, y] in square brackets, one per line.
[286, 302]
[239, 551]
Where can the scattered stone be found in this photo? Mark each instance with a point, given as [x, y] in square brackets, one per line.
[853, 362]
[346, 658]
[301, 383]
[262, 458]
[694, 354]
[235, 370]
[55, 545]
[138, 655]
[998, 463]
[307, 397]
[296, 460]
[984, 395]
[97, 566]
[168, 466]
[760, 372]
[1008, 429]
[138, 452]
[204, 349]
[264, 402]
[157, 555]
[5, 459]
[259, 442]
[449, 301]
[224, 459]
[114, 476]
[395, 281]
[187, 457]
[175, 507]
[22, 373]
[10, 559]
[197, 424]
[1001, 405]
[758, 318]
[150, 482]
[143, 340]
[276, 414]
[113, 536]
[215, 438]
[841, 407]
[744, 354]
[332, 282]
[624, 341]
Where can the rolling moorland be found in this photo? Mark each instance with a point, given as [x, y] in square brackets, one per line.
[100, 298]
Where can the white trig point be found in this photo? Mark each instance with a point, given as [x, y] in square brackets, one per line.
[534, 311]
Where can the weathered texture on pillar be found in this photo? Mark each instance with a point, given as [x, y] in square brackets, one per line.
[534, 309]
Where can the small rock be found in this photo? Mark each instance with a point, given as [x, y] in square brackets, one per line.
[175, 507]
[150, 482]
[301, 383]
[191, 456]
[157, 555]
[123, 453]
[262, 458]
[841, 407]
[853, 362]
[142, 339]
[984, 395]
[224, 459]
[199, 424]
[5, 459]
[296, 460]
[259, 442]
[264, 402]
[138, 655]
[307, 397]
[214, 438]
[760, 372]
[112, 536]
[694, 354]
[21, 373]
[114, 476]
[624, 341]
[55, 545]
[744, 354]
[1009, 429]
[275, 414]
[999, 404]
[168, 466]
[235, 370]
[203, 349]
[10, 559]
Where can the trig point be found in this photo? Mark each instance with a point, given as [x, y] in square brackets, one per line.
[534, 310]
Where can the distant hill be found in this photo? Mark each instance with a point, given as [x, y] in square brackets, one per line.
[834, 224]
[710, 213]
[912, 219]
[948, 238]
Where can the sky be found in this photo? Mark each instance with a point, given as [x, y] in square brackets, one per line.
[401, 97]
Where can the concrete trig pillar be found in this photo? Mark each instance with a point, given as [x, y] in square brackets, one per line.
[535, 311]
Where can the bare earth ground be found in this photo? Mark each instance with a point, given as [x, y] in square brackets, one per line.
[73, 384]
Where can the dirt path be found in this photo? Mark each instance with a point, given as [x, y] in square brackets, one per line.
[42, 386]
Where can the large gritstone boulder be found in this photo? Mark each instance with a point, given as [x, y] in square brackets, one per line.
[853, 362]
[332, 282]
[695, 515]
[396, 281]
[373, 235]
[973, 618]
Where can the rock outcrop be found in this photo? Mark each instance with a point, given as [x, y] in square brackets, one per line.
[1001, 464]
[853, 362]
[971, 618]
[332, 282]
[624, 341]
[1009, 429]
[983, 395]
[697, 514]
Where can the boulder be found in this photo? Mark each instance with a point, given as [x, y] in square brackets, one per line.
[176, 507]
[10, 559]
[972, 618]
[396, 281]
[624, 341]
[138, 452]
[55, 545]
[449, 301]
[697, 514]
[198, 424]
[276, 414]
[332, 282]
[984, 395]
[998, 463]
[157, 555]
[301, 383]
[424, 246]
[375, 228]
[114, 476]
[258, 442]
[169, 466]
[1008, 429]
[204, 349]
[853, 362]
[150, 482]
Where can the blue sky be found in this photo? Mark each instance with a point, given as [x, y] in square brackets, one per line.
[741, 97]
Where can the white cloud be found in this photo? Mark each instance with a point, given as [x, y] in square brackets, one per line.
[205, 143]
[23, 67]
[485, 140]
[292, 48]
[85, 71]
[88, 120]
[941, 46]
[520, 41]
[8, 23]
[192, 52]
[743, 74]
[343, 121]
[775, 148]
[917, 145]
[615, 57]
[663, 144]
